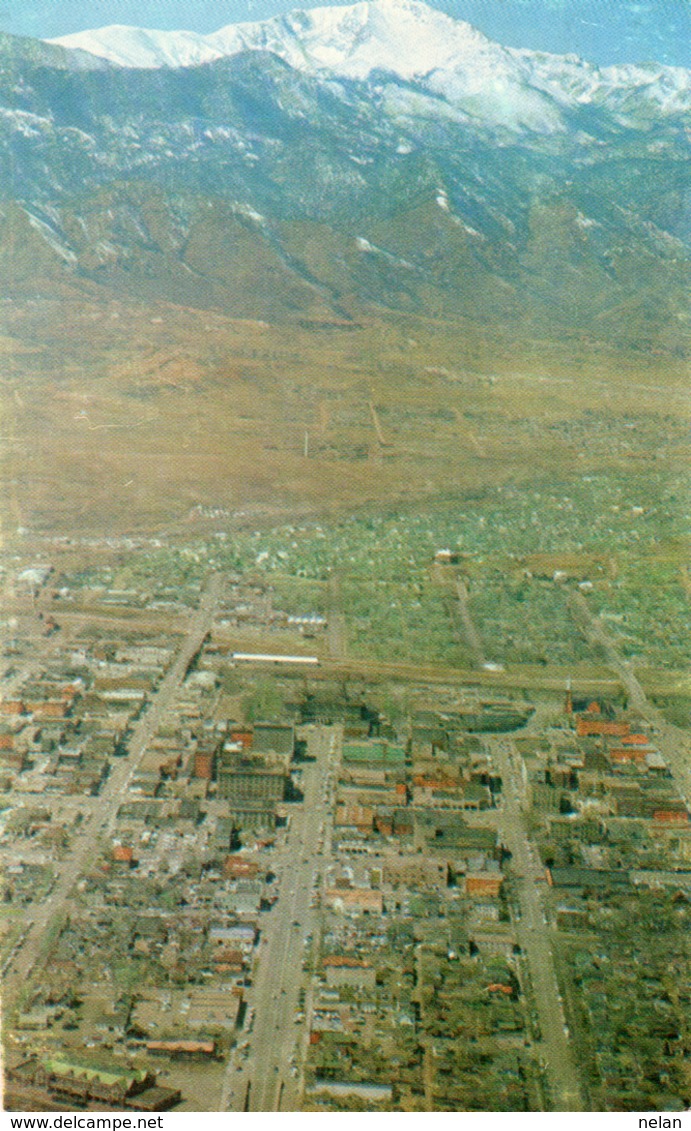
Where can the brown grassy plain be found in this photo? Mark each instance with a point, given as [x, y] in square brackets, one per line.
[119, 416]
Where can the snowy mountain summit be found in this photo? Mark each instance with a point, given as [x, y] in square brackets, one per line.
[376, 156]
[405, 37]
[445, 58]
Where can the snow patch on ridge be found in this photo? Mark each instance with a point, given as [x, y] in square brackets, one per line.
[51, 238]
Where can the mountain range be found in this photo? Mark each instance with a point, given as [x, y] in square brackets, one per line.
[381, 156]
[412, 42]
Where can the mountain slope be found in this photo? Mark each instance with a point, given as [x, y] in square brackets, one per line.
[524, 189]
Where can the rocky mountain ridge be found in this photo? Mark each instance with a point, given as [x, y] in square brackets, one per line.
[375, 157]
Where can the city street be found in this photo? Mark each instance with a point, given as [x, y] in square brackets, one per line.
[533, 936]
[266, 1075]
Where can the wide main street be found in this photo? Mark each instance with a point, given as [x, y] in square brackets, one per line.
[533, 936]
[265, 1075]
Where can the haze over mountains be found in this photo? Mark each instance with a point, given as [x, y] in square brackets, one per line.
[380, 156]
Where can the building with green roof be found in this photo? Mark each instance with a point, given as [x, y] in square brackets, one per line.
[376, 752]
[112, 1084]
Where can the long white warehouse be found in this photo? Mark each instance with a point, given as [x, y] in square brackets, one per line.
[265, 658]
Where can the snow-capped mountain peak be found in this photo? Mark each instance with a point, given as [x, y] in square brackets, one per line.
[403, 36]
[406, 39]
[412, 42]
